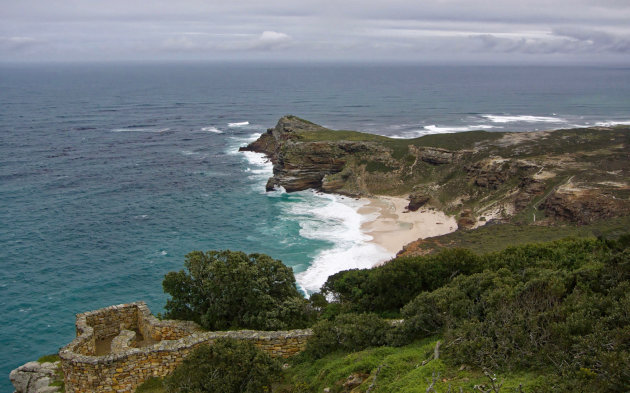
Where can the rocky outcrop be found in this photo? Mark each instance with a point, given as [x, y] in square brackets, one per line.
[466, 220]
[529, 188]
[583, 206]
[434, 155]
[303, 165]
[417, 200]
[494, 171]
[35, 377]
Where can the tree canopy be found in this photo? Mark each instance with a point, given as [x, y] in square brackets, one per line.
[230, 289]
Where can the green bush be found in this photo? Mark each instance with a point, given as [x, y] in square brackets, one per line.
[348, 332]
[227, 366]
[560, 306]
[228, 289]
[387, 288]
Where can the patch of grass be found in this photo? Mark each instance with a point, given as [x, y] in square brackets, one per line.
[455, 141]
[49, 358]
[375, 166]
[407, 369]
[152, 385]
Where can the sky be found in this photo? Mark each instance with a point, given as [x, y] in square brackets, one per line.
[422, 31]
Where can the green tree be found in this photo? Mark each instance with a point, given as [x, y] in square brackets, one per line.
[230, 289]
[227, 366]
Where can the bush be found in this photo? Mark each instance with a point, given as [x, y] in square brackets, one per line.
[348, 332]
[228, 290]
[559, 306]
[387, 288]
[227, 366]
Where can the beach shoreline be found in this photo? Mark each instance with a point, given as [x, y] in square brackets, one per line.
[392, 226]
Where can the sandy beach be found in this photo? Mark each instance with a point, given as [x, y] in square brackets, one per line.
[394, 226]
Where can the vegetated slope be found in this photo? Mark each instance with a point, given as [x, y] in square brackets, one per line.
[552, 317]
[549, 317]
[575, 175]
[497, 237]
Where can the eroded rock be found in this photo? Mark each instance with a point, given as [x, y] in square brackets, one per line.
[35, 377]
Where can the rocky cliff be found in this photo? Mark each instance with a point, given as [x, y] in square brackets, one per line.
[574, 175]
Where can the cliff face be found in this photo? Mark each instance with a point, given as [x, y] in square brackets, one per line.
[577, 175]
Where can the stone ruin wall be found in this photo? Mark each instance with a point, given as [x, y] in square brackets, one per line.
[126, 367]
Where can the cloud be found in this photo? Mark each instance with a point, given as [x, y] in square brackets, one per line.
[596, 40]
[180, 43]
[270, 40]
[18, 43]
[224, 42]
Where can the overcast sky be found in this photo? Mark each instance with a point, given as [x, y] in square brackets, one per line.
[431, 31]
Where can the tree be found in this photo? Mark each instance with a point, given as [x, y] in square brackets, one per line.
[230, 289]
[227, 366]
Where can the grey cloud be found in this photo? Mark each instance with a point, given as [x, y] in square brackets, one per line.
[597, 40]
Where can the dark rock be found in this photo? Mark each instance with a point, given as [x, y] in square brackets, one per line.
[466, 220]
[436, 156]
[417, 200]
[529, 188]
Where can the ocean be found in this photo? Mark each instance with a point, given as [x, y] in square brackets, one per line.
[111, 174]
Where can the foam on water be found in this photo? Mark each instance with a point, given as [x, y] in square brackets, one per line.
[434, 129]
[212, 129]
[523, 118]
[612, 123]
[336, 219]
[238, 124]
[140, 129]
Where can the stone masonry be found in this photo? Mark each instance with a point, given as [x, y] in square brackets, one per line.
[126, 363]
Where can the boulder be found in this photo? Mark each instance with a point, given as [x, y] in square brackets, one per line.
[466, 220]
[35, 377]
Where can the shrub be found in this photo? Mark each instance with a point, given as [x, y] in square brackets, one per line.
[348, 332]
[227, 366]
[228, 289]
[385, 289]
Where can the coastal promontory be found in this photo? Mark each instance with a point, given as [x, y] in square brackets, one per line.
[578, 176]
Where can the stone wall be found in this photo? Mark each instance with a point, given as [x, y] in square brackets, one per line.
[123, 369]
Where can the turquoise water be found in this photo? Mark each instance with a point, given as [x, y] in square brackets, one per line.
[109, 175]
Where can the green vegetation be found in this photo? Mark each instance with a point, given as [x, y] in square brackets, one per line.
[348, 332]
[49, 358]
[229, 290]
[556, 310]
[152, 385]
[545, 317]
[407, 369]
[226, 366]
[497, 237]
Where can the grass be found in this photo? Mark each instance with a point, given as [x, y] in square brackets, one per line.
[49, 358]
[152, 385]
[408, 369]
